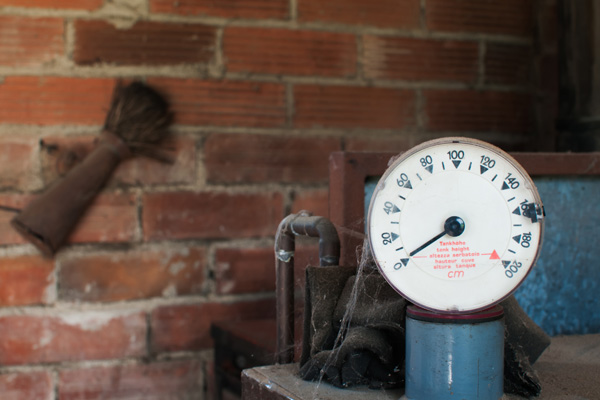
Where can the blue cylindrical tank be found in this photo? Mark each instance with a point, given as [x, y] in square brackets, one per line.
[454, 356]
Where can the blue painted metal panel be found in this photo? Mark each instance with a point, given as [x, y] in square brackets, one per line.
[561, 292]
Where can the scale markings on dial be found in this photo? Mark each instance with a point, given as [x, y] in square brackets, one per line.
[457, 238]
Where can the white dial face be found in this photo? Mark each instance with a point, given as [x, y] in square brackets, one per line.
[455, 225]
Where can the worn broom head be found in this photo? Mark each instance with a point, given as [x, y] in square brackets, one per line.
[138, 118]
[138, 114]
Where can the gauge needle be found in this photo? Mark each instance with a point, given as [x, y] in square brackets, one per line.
[454, 226]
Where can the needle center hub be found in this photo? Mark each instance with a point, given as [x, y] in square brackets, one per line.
[454, 226]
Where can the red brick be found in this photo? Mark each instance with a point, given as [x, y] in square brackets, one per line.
[187, 215]
[112, 218]
[70, 4]
[187, 327]
[252, 270]
[293, 52]
[63, 153]
[231, 158]
[54, 100]
[400, 14]
[7, 234]
[18, 158]
[36, 385]
[353, 107]
[508, 64]
[474, 111]
[398, 143]
[26, 280]
[313, 201]
[225, 103]
[144, 43]
[132, 275]
[262, 9]
[388, 57]
[181, 379]
[144, 171]
[71, 336]
[249, 270]
[30, 41]
[508, 17]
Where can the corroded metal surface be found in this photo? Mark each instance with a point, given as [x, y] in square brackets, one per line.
[329, 251]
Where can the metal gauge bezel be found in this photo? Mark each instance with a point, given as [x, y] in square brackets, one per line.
[438, 285]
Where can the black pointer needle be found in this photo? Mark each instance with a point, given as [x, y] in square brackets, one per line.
[454, 226]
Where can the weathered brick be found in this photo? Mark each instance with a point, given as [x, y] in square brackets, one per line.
[68, 4]
[17, 201]
[132, 275]
[313, 201]
[225, 103]
[181, 379]
[148, 171]
[293, 52]
[36, 385]
[388, 57]
[18, 160]
[245, 270]
[474, 111]
[62, 153]
[508, 64]
[353, 107]
[111, 218]
[262, 9]
[231, 158]
[252, 270]
[187, 327]
[30, 41]
[400, 14]
[26, 280]
[508, 17]
[188, 215]
[54, 100]
[71, 336]
[398, 143]
[144, 43]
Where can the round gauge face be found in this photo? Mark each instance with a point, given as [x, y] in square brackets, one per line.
[455, 225]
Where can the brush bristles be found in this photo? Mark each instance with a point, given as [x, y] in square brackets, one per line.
[138, 114]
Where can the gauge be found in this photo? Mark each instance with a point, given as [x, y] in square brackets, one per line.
[455, 225]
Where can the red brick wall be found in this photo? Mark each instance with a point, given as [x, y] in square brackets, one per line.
[263, 91]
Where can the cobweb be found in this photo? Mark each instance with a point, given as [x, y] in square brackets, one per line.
[364, 258]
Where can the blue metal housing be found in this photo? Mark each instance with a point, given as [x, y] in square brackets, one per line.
[450, 359]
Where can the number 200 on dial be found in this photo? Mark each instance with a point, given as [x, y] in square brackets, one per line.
[455, 225]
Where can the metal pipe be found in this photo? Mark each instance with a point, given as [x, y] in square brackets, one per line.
[285, 243]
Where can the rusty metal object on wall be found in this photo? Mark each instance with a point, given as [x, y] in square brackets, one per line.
[49, 219]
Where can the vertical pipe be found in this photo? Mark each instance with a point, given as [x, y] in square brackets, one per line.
[329, 254]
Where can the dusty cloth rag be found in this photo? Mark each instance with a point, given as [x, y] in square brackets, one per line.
[365, 346]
